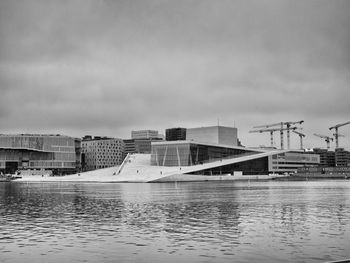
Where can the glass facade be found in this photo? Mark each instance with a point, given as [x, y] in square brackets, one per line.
[37, 152]
[187, 153]
[252, 167]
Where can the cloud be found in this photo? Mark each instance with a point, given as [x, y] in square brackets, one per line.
[108, 67]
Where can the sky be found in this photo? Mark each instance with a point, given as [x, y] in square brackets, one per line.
[106, 67]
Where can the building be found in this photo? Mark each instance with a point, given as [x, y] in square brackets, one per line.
[327, 158]
[342, 157]
[140, 141]
[145, 134]
[213, 134]
[35, 152]
[175, 134]
[101, 152]
[129, 146]
[215, 159]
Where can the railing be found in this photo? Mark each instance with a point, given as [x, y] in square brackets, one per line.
[127, 157]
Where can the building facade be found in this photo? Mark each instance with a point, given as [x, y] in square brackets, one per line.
[233, 158]
[342, 157]
[101, 152]
[213, 134]
[55, 153]
[140, 141]
[145, 134]
[327, 158]
[175, 134]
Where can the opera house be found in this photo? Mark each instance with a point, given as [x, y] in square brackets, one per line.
[208, 153]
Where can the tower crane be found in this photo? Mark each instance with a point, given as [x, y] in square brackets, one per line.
[336, 135]
[326, 138]
[271, 131]
[288, 129]
[288, 124]
[301, 135]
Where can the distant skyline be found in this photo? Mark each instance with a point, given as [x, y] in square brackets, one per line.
[104, 67]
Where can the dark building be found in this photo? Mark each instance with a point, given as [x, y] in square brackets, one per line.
[77, 143]
[140, 141]
[175, 134]
[342, 157]
[129, 146]
[327, 158]
[139, 145]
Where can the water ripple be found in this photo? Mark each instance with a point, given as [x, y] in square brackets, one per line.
[194, 222]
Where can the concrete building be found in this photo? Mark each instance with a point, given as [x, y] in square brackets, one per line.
[342, 157]
[101, 152]
[140, 141]
[37, 153]
[327, 158]
[145, 134]
[129, 146]
[175, 134]
[213, 134]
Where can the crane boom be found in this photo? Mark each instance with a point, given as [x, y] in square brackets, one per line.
[326, 138]
[268, 125]
[299, 133]
[340, 125]
[288, 128]
[272, 131]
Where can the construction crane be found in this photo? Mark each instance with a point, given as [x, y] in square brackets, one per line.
[288, 129]
[336, 135]
[326, 138]
[288, 124]
[271, 131]
[301, 135]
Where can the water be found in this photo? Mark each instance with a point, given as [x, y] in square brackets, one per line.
[174, 222]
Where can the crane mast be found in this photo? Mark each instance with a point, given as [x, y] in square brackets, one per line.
[288, 128]
[271, 131]
[301, 135]
[336, 134]
[326, 138]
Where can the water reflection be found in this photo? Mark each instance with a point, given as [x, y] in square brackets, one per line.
[196, 222]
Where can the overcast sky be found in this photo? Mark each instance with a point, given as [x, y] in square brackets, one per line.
[108, 67]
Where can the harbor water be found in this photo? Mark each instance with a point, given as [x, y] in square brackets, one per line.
[271, 221]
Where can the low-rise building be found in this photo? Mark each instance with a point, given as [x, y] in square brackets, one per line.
[57, 154]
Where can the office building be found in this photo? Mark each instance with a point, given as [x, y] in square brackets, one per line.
[57, 154]
[327, 158]
[145, 134]
[175, 134]
[140, 141]
[101, 152]
[342, 157]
